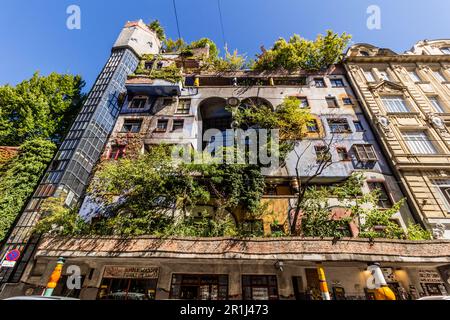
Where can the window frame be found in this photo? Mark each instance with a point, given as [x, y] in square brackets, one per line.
[438, 103]
[320, 80]
[334, 85]
[185, 110]
[336, 104]
[344, 121]
[127, 122]
[347, 101]
[365, 152]
[343, 151]
[384, 191]
[179, 128]
[395, 99]
[131, 105]
[323, 153]
[428, 140]
[160, 129]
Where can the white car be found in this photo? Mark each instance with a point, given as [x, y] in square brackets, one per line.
[40, 298]
[435, 298]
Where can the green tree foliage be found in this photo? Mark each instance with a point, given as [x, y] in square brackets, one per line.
[171, 45]
[153, 195]
[20, 178]
[316, 216]
[231, 62]
[156, 27]
[299, 53]
[43, 106]
[288, 118]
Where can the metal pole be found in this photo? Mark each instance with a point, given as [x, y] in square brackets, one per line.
[382, 291]
[323, 282]
[54, 278]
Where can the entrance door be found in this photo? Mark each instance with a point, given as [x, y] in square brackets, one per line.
[313, 284]
[297, 283]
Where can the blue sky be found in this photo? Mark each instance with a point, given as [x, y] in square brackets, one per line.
[34, 36]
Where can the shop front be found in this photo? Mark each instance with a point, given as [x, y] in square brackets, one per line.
[128, 283]
[223, 269]
[199, 287]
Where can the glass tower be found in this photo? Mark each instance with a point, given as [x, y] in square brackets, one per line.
[70, 171]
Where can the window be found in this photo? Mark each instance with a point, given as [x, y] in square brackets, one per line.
[395, 104]
[419, 143]
[338, 125]
[184, 106]
[358, 126]
[199, 287]
[320, 82]
[337, 83]
[347, 101]
[322, 153]
[343, 154]
[127, 289]
[414, 76]
[365, 152]
[62, 289]
[369, 76]
[332, 102]
[313, 126]
[445, 50]
[384, 75]
[159, 65]
[148, 65]
[443, 187]
[116, 152]
[439, 76]
[364, 53]
[162, 124]
[436, 105]
[383, 200]
[259, 287]
[177, 125]
[303, 102]
[133, 126]
[138, 103]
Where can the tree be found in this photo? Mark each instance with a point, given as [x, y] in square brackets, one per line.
[299, 53]
[156, 27]
[20, 178]
[43, 106]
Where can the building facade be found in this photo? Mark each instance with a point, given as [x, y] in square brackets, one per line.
[70, 170]
[407, 102]
[180, 112]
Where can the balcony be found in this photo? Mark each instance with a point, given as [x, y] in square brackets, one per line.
[142, 85]
[294, 249]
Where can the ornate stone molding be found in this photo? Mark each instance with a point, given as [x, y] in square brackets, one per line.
[438, 124]
[384, 124]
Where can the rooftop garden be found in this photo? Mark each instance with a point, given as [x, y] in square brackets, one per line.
[290, 55]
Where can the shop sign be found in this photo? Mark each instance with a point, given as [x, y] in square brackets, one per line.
[121, 272]
[388, 274]
[429, 276]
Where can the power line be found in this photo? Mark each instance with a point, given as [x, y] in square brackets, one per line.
[176, 18]
[221, 24]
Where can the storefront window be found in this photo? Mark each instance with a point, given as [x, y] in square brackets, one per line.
[256, 287]
[127, 289]
[199, 287]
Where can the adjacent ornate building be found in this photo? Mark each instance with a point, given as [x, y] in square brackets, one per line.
[406, 98]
